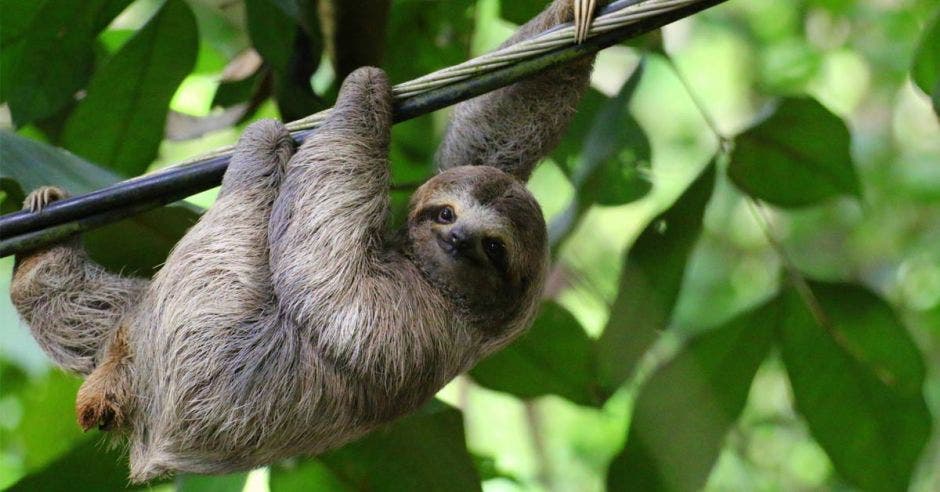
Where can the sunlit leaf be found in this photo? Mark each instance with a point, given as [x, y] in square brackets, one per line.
[650, 282]
[47, 54]
[120, 122]
[145, 239]
[554, 357]
[686, 408]
[798, 156]
[872, 427]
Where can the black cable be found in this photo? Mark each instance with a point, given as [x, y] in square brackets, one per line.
[24, 230]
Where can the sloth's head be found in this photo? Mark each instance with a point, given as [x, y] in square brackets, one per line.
[479, 236]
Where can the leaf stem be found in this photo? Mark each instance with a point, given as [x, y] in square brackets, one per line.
[725, 143]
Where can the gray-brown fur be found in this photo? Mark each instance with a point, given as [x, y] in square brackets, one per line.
[71, 304]
[488, 129]
[290, 320]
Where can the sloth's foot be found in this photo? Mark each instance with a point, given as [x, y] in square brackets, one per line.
[96, 406]
[102, 398]
[583, 16]
[42, 196]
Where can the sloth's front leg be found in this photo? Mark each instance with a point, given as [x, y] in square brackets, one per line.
[514, 127]
[330, 217]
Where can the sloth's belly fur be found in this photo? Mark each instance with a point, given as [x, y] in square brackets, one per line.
[224, 384]
[218, 400]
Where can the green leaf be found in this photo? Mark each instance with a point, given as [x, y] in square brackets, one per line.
[554, 357]
[650, 282]
[120, 122]
[873, 430]
[230, 93]
[686, 408]
[871, 330]
[292, 52]
[798, 156]
[48, 428]
[233, 482]
[308, 474]
[427, 36]
[272, 32]
[13, 196]
[91, 465]
[520, 11]
[568, 150]
[48, 53]
[926, 68]
[424, 451]
[614, 150]
[146, 239]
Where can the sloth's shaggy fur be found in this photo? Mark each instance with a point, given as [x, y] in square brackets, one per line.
[290, 320]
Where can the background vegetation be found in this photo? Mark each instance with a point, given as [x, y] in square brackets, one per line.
[745, 215]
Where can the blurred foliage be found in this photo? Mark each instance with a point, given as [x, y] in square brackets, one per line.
[745, 216]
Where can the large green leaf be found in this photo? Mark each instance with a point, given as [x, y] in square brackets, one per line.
[233, 482]
[145, 239]
[603, 156]
[520, 11]
[798, 156]
[424, 451]
[568, 150]
[47, 51]
[272, 30]
[91, 465]
[871, 331]
[847, 384]
[293, 52]
[427, 36]
[614, 151]
[650, 282]
[554, 357]
[120, 122]
[926, 69]
[47, 428]
[686, 408]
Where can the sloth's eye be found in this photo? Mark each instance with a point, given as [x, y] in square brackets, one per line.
[496, 252]
[446, 215]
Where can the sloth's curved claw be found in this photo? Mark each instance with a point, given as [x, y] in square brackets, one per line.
[42, 196]
[583, 16]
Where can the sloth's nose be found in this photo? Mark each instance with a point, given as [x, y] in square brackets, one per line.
[460, 239]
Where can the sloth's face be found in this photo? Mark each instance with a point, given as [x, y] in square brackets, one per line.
[480, 236]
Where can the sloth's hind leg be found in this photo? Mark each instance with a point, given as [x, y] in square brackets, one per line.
[206, 307]
[104, 398]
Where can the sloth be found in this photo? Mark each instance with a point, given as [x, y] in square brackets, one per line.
[290, 319]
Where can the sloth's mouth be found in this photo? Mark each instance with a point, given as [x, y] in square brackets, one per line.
[447, 246]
